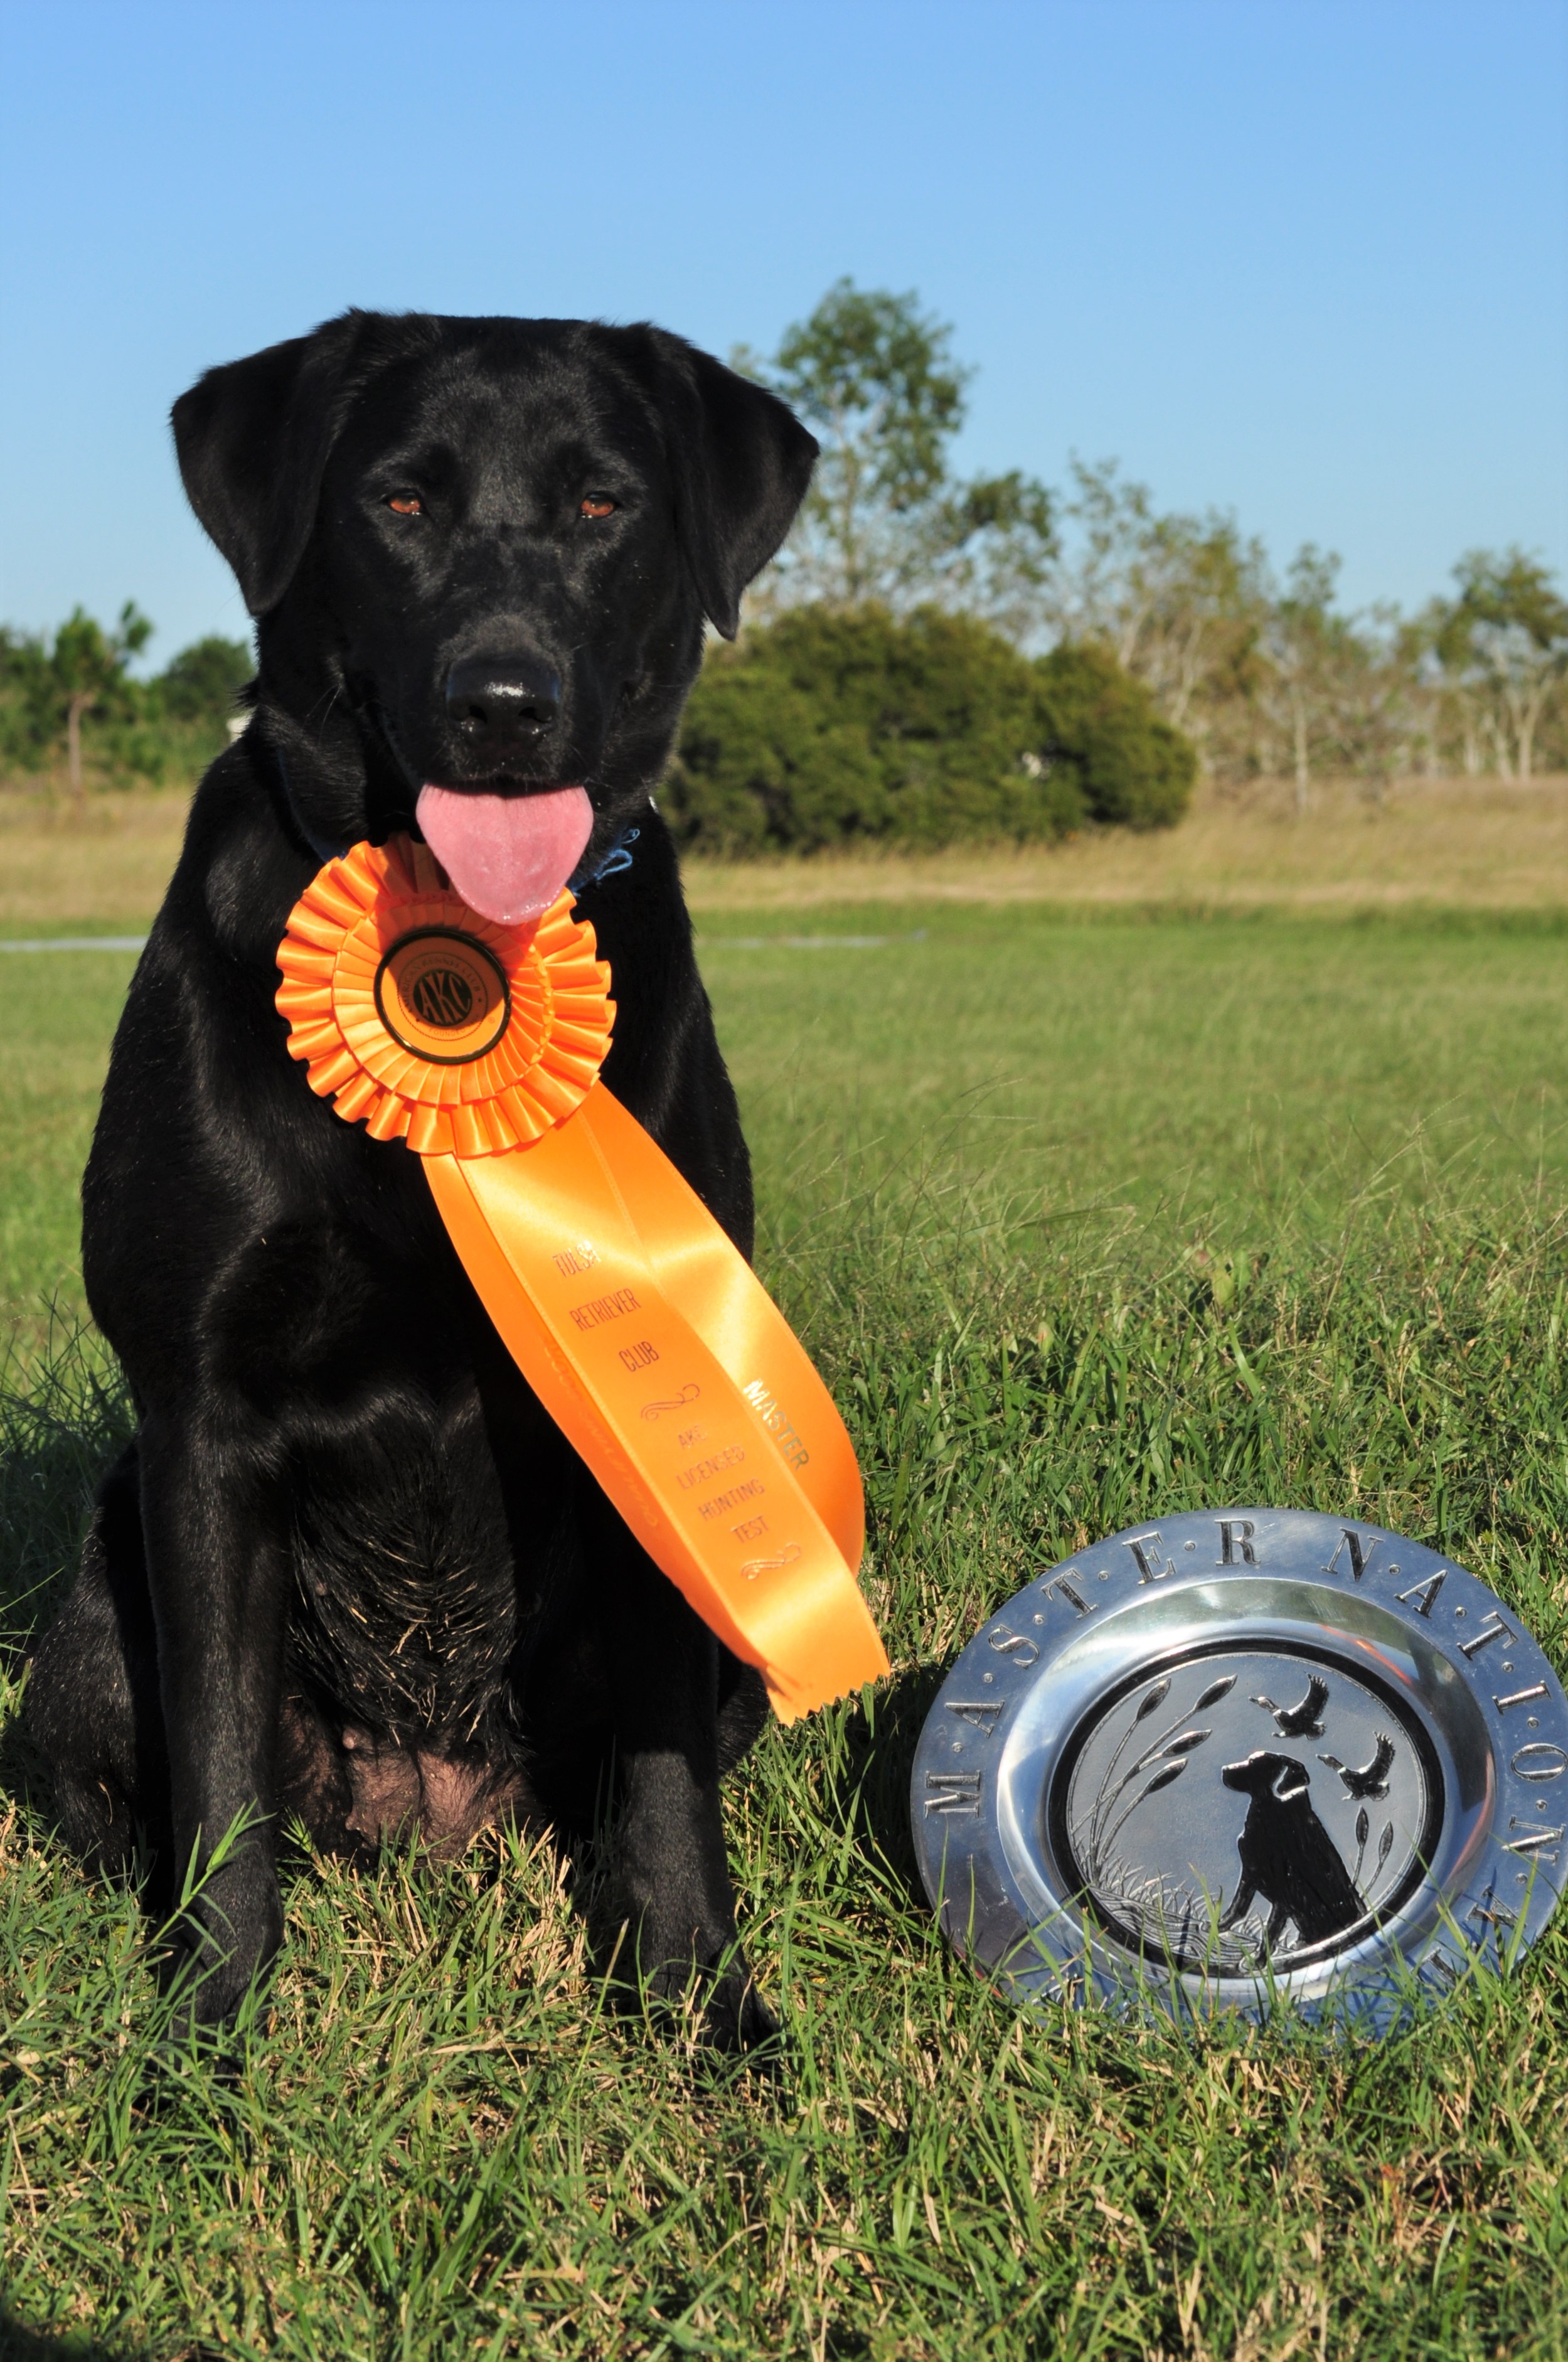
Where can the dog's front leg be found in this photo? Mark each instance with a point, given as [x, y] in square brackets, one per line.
[217, 1576]
[673, 1904]
[1241, 1903]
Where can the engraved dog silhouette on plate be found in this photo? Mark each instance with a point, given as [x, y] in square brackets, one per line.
[1288, 1856]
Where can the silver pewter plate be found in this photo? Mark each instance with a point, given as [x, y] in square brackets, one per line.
[1245, 1755]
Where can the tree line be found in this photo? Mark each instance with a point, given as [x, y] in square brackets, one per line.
[1268, 674]
[933, 656]
[71, 708]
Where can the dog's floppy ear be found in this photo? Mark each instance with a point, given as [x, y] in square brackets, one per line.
[1289, 1780]
[742, 462]
[253, 439]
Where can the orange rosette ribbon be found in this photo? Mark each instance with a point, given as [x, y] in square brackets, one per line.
[434, 1025]
[646, 1336]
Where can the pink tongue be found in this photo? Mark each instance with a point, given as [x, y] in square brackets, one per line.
[507, 856]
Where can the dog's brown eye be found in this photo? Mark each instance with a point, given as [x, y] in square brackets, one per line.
[595, 505]
[405, 504]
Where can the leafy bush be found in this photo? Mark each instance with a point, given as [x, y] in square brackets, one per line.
[1133, 768]
[836, 725]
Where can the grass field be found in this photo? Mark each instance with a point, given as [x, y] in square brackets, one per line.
[1085, 1212]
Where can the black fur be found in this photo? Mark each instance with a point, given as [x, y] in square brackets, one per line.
[1287, 1854]
[349, 1567]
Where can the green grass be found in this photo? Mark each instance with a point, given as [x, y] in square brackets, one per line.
[56, 1012]
[1082, 1222]
[1176, 1071]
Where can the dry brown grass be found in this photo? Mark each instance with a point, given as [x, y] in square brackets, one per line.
[1474, 843]
[1481, 844]
[102, 872]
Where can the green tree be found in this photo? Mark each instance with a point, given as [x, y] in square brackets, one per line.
[992, 545]
[85, 678]
[885, 520]
[203, 682]
[1503, 645]
[1177, 601]
[1305, 647]
[27, 719]
[1384, 712]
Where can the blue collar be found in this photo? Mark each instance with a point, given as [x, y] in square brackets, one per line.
[617, 858]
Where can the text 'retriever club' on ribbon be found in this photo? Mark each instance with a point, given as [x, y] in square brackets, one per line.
[644, 1333]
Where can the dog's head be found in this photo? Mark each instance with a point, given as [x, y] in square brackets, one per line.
[480, 553]
[1266, 1774]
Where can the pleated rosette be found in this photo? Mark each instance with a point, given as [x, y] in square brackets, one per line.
[431, 1024]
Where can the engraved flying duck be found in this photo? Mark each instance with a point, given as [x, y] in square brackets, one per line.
[1305, 1718]
[1372, 1780]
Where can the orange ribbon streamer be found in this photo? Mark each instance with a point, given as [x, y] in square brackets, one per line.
[646, 1335]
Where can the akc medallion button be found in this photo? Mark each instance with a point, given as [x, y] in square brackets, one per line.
[1243, 1754]
[444, 996]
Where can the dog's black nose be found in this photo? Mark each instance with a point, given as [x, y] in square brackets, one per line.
[501, 706]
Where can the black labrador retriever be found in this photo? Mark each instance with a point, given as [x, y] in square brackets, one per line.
[350, 1568]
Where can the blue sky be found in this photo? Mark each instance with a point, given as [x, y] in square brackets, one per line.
[1308, 262]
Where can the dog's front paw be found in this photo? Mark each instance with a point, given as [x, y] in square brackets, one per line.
[668, 1977]
[212, 1951]
[736, 2018]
